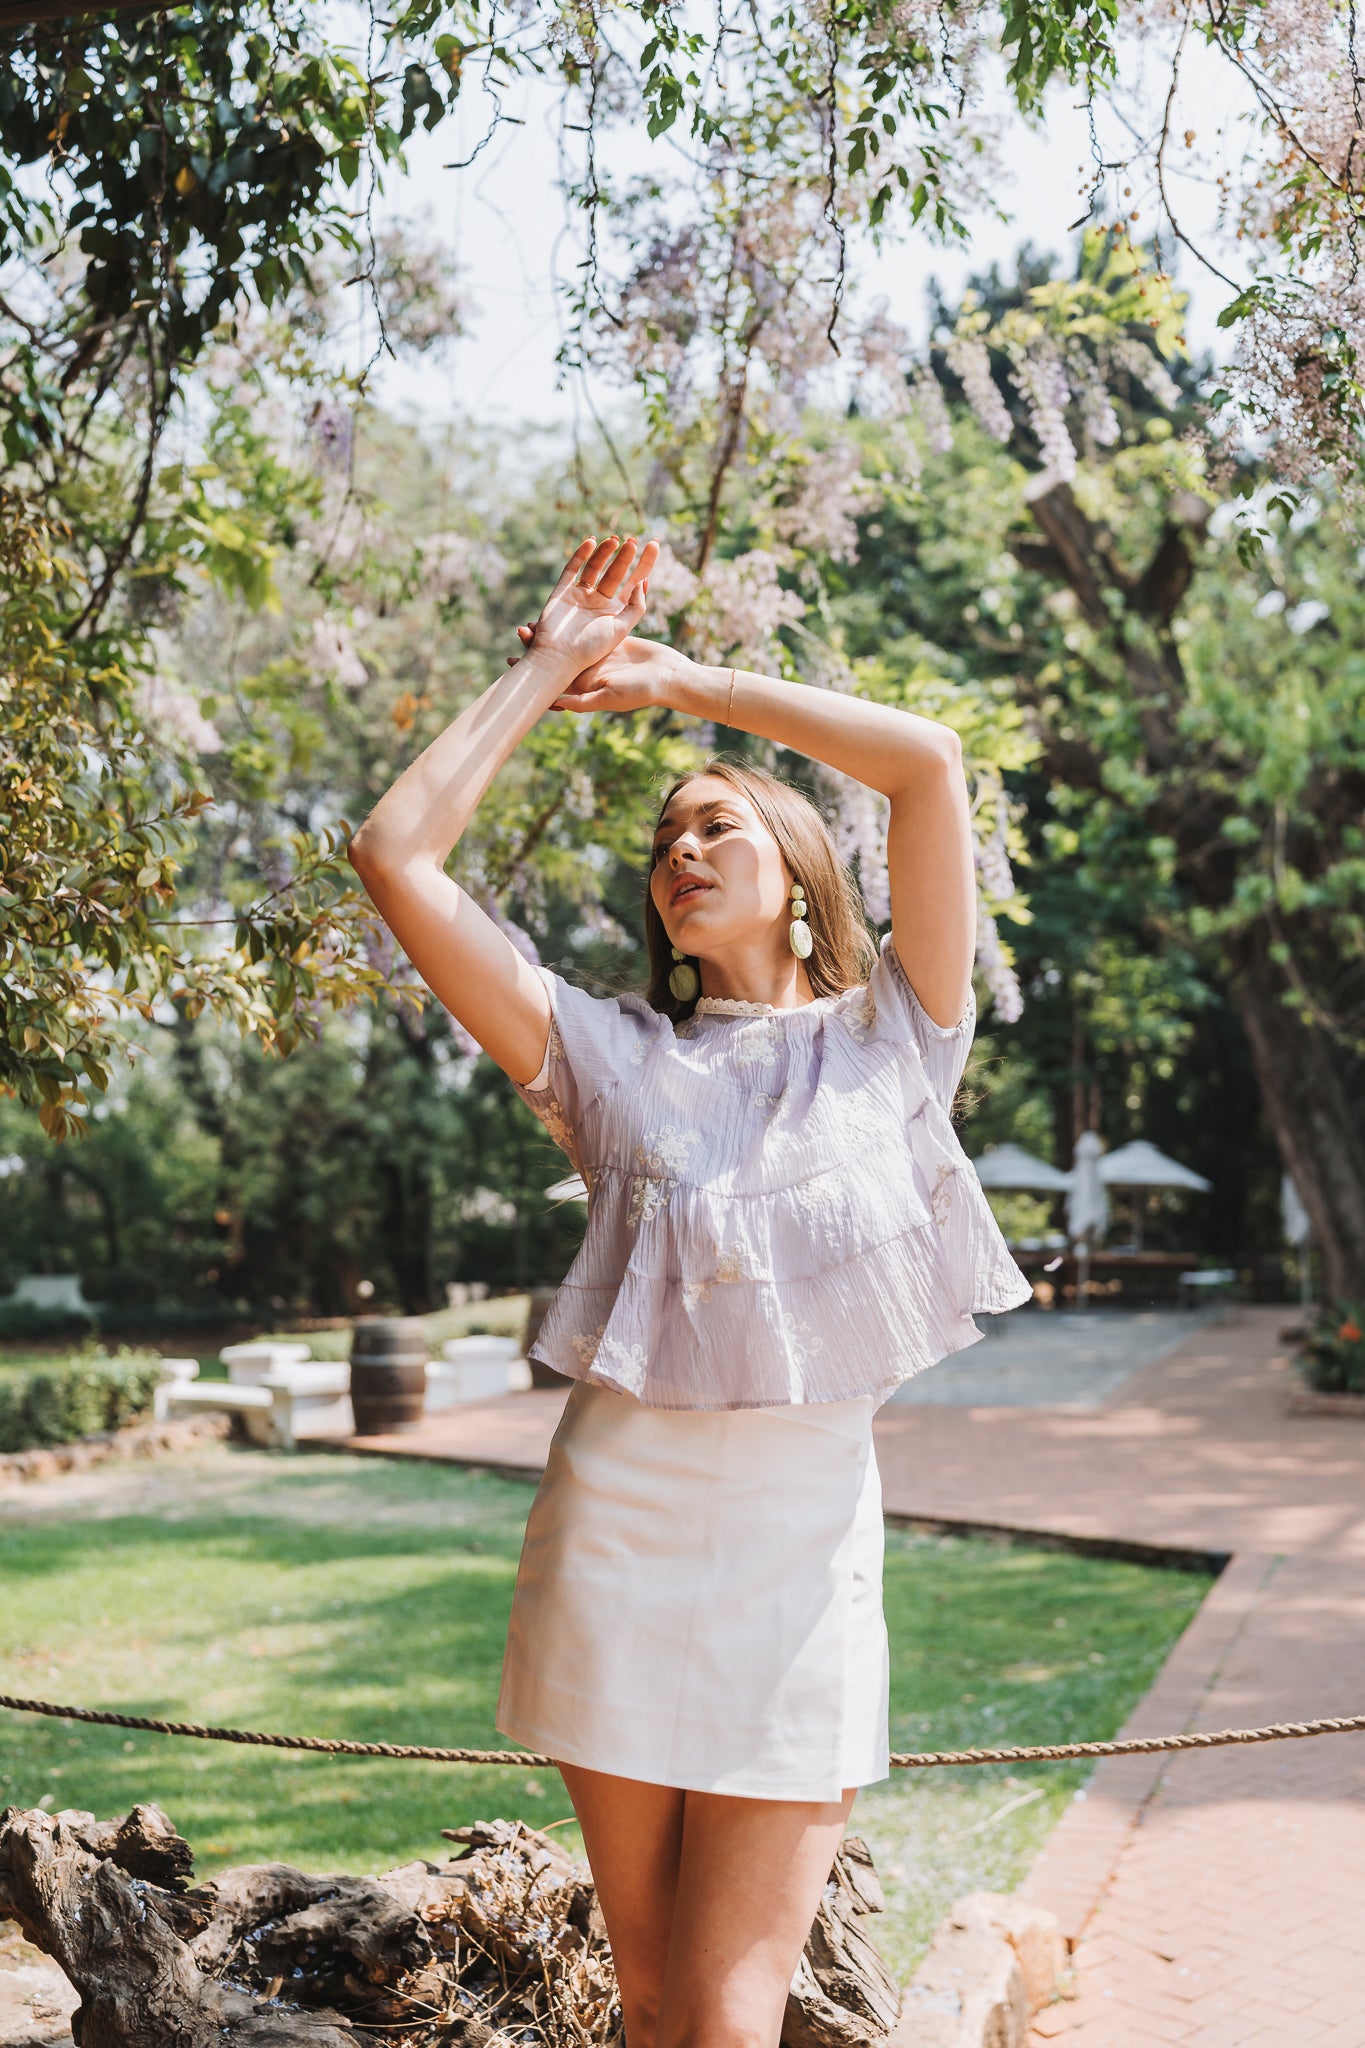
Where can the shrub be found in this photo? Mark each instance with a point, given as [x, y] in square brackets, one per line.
[23, 1322]
[1332, 1358]
[73, 1397]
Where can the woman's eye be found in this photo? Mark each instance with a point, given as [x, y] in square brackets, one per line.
[714, 825]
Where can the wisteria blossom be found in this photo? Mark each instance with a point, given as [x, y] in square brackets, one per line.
[1040, 378]
[672, 585]
[332, 652]
[931, 409]
[858, 818]
[1145, 368]
[882, 354]
[740, 610]
[456, 565]
[996, 885]
[1298, 370]
[969, 360]
[831, 493]
[996, 970]
[1098, 417]
[174, 715]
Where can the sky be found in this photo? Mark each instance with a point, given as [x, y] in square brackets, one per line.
[512, 241]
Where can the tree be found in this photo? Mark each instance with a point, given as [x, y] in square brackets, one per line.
[202, 160]
[1200, 703]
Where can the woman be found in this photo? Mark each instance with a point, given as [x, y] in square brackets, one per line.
[781, 1227]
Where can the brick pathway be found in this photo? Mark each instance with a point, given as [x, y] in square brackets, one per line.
[1215, 1899]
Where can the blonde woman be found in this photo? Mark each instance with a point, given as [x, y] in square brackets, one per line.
[782, 1226]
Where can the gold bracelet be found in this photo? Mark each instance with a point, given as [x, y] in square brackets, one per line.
[731, 703]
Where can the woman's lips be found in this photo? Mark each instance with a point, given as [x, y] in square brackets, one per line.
[685, 891]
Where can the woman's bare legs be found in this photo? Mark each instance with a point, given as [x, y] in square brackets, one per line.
[708, 1902]
[633, 1834]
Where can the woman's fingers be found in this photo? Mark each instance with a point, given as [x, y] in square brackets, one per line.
[617, 571]
[591, 571]
[574, 565]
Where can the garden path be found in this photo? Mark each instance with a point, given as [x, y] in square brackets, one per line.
[1213, 1899]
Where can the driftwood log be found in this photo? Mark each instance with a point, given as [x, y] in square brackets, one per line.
[501, 1943]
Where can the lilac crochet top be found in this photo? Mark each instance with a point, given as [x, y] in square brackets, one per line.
[779, 1210]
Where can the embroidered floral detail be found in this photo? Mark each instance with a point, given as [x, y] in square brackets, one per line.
[859, 1015]
[694, 1292]
[941, 1200]
[647, 1197]
[757, 1043]
[544, 1103]
[766, 1104]
[627, 1363]
[810, 1194]
[667, 1150]
[639, 1054]
[732, 1262]
[585, 1344]
[802, 1342]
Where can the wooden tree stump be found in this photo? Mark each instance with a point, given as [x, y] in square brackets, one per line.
[503, 1941]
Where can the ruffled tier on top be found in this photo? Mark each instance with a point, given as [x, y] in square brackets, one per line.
[822, 1236]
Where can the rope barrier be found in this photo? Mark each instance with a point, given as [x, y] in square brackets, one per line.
[1050, 1752]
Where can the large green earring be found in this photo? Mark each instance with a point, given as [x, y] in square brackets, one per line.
[684, 980]
[798, 932]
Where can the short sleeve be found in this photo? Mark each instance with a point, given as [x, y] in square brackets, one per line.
[594, 1042]
[942, 1048]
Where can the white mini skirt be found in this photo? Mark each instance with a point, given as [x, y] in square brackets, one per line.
[699, 1599]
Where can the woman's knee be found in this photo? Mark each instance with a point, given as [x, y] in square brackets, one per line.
[737, 2014]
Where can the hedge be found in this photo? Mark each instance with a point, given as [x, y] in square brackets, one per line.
[54, 1404]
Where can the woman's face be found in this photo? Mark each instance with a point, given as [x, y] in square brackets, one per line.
[718, 878]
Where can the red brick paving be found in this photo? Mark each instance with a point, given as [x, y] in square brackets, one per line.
[1215, 1899]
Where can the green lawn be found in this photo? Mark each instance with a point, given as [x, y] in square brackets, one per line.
[331, 1595]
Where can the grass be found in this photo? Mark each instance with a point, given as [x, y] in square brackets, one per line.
[330, 1595]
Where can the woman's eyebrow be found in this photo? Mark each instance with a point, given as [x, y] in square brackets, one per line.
[718, 803]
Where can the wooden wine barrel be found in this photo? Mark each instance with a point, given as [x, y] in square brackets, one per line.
[388, 1373]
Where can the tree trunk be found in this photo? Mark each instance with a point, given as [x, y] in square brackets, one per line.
[1312, 1091]
[503, 1941]
[1311, 1085]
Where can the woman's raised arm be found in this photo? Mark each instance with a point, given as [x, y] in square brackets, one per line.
[400, 850]
[915, 761]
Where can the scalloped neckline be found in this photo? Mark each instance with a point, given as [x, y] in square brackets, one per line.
[736, 1006]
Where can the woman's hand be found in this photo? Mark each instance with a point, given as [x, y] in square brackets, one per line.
[636, 674]
[597, 601]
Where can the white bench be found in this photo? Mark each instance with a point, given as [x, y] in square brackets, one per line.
[266, 1412]
[1196, 1287]
[474, 1369]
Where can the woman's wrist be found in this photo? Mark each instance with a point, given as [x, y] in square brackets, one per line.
[699, 691]
[546, 670]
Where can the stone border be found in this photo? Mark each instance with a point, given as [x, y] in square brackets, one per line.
[1308, 1401]
[138, 1440]
[994, 1962]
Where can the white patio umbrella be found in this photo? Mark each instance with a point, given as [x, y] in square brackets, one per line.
[1010, 1166]
[1298, 1230]
[1087, 1207]
[1141, 1165]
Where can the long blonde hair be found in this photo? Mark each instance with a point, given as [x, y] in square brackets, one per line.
[843, 950]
